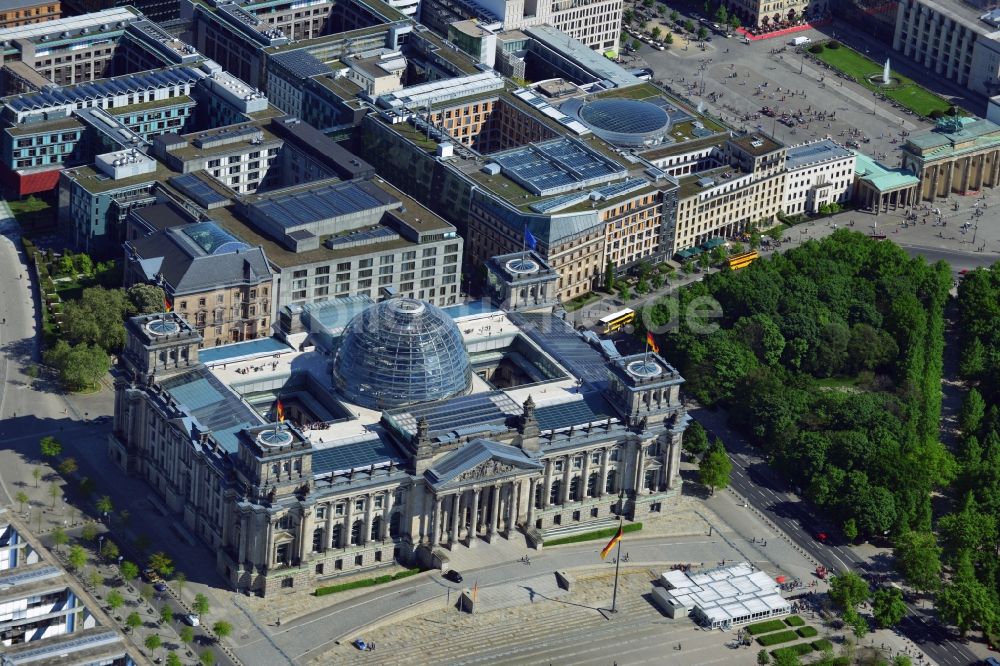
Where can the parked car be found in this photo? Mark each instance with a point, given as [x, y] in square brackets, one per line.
[160, 586]
[453, 576]
[193, 620]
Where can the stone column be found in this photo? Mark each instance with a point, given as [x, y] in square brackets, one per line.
[532, 484]
[386, 510]
[565, 481]
[348, 523]
[474, 518]
[435, 522]
[269, 555]
[548, 484]
[367, 536]
[455, 506]
[244, 528]
[586, 475]
[494, 510]
[328, 527]
[640, 458]
[511, 509]
[605, 455]
[305, 535]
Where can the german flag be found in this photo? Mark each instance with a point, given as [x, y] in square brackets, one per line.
[651, 342]
[611, 544]
[280, 410]
[167, 305]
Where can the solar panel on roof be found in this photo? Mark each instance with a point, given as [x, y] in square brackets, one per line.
[355, 455]
[592, 409]
[559, 339]
[197, 189]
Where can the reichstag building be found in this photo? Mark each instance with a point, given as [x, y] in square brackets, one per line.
[364, 433]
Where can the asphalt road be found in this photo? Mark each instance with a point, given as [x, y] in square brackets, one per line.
[763, 489]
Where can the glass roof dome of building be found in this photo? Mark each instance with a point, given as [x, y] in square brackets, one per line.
[400, 352]
[625, 122]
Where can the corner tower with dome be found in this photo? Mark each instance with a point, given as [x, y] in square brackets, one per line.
[405, 432]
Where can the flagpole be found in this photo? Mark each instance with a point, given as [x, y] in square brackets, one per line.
[618, 561]
[646, 359]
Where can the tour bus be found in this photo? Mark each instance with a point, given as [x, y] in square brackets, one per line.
[614, 322]
[742, 260]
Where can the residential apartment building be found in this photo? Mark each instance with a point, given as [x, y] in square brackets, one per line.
[749, 189]
[220, 284]
[952, 40]
[819, 173]
[26, 12]
[45, 615]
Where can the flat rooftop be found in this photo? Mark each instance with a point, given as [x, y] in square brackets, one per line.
[816, 152]
[579, 53]
[555, 165]
[68, 24]
[726, 593]
[757, 143]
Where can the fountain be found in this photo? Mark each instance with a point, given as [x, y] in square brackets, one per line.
[885, 79]
[885, 74]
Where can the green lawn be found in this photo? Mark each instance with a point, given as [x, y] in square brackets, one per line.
[908, 93]
[597, 534]
[33, 214]
[580, 301]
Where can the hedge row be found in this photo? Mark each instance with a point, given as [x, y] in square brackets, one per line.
[764, 627]
[822, 644]
[367, 582]
[797, 650]
[794, 621]
[780, 637]
[591, 536]
[807, 632]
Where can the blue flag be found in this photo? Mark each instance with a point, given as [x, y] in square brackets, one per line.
[530, 240]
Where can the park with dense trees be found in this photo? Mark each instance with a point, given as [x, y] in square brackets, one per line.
[828, 358]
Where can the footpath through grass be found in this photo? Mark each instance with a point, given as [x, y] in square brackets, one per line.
[859, 67]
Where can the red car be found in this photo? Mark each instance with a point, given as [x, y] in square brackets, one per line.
[821, 537]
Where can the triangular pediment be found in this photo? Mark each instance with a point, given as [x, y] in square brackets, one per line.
[479, 461]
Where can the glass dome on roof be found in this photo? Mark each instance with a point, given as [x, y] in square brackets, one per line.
[400, 352]
[625, 121]
[213, 239]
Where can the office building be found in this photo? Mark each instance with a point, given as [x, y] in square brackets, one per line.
[952, 39]
[22, 12]
[819, 173]
[524, 425]
[772, 13]
[45, 615]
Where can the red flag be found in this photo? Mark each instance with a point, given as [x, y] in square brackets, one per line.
[651, 342]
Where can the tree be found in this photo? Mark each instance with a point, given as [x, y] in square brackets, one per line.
[54, 492]
[146, 592]
[94, 578]
[200, 604]
[109, 550]
[918, 558]
[129, 570]
[207, 658]
[115, 600]
[68, 467]
[702, 33]
[636, 44]
[152, 643]
[104, 505]
[763, 658]
[902, 660]
[50, 447]
[656, 33]
[674, 15]
[161, 563]
[97, 318]
[222, 629]
[166, 614]
[77, 557]
[695, 439]
[966, 602]
[848, 590]
[783, 658]
[888, 607]
[669, 39]
[186, 634]
[721, 15]
[715, 467]
[609, 276]
[857, 622]
[133, 621]
[734, 21]
[623, 290]
[704, 260]
[88, 532]
[83, 264]
[59, 537]
[173, 659]
[973, 411]
[180, 579]
[689, 25]
[79, 366]
[21, 498]
[146, 299]
[850, 529]
[36, 473]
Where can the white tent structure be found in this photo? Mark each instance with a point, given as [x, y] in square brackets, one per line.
[722, 597]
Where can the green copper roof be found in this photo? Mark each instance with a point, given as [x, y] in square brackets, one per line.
[881, 177]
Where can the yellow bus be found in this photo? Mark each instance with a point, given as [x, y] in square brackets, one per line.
[742, 260]
[614, 321]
